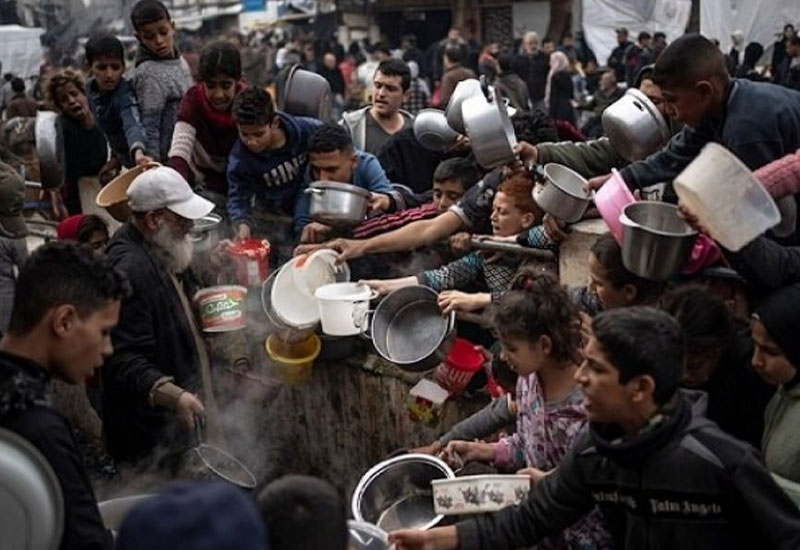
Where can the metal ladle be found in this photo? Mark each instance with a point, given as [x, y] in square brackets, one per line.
[222, 464]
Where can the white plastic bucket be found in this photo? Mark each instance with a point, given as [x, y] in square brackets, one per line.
[343, 308]
[726, 198]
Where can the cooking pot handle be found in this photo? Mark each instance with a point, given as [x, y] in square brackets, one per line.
[451, 323]
[314, 191]
[366, 334]
[485, 88]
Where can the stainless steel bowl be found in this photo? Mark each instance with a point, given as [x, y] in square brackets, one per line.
[432, 131]
[634, 126]
[409, 330]
[205, 233]
[463, 91]
[655, 241]
[307, 94]
[337, 204]
[562, 193]
[397, 494]
[488, 126]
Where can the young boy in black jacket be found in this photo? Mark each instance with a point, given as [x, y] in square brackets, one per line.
[663, 477]
[68, 302]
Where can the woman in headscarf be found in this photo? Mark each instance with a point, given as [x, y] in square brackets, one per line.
[747, 68]
[559, 92]
[777, 360]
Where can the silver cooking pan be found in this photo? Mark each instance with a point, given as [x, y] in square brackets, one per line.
[50, 149]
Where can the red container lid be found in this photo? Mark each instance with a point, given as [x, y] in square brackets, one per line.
[464, 356]
[250, 247]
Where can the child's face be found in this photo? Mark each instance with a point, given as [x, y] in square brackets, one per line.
[607, 294]
[256, 137]
[107, 71]
[219, 92]
[769, 361]
[446, 193]
[158, 37]
[523, 356]
[689, 104]
[72, 102]
[508, 220]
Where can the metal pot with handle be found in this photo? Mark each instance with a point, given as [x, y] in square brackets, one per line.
[489, 129]
[635, 126]
[307, 94]
[562, 193]
[408, 329]
[205, 233]
[50, 149]
[337, 204]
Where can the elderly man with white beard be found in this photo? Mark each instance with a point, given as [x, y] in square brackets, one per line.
[151, 382]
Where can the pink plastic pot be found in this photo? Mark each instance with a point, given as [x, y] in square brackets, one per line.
[610, 199]
[704, 254]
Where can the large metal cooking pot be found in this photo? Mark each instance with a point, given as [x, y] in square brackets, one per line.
[655, 241]
[307, 94]
[464, 90]
[50, 149]
[432, 131]
[408, 329]
[205, 233]
[337, 204]
[31, 500]
[489, 128]
[562, 193]
[396, 493]
[634, 126]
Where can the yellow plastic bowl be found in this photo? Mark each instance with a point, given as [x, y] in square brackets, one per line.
[293, 361]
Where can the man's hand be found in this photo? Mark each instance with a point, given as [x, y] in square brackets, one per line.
[348, 249]
[378, 202]
[455, 300]
[431, 449]
[526, 152]
[440, 538]
[385, 286]
[554, 228]
[461, 144]
[242, 232]
[308, 248]
[596, 183]
[140, 158]
[187, 408]
[315, 232]
[108, 171]
[690, 218]
[460, 243]
[458, 453]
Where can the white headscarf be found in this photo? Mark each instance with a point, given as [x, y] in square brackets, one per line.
[558, 62]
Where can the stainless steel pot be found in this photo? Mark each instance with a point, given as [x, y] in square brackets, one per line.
[307, 94]
[432, 131]
[50, 149]
[31, 499]
[205, 233]
[462, 92]
[396, 493]
[562, 193]
[634, 126]
[655, 241]
[489, 129]
[408, 329]
[337, 204]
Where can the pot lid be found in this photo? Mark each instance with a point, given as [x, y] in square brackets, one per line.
[30, 497]
[335, 185]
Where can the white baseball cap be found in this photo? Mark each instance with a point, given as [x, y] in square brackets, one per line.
[163, 187]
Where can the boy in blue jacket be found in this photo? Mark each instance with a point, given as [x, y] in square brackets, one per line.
[266, 166]
[332, 157]
[113, 101]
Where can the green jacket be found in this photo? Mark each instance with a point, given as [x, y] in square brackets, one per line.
[589, 159]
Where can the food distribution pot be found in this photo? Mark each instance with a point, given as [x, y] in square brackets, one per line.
[205, 233]
[635, 126]
[488, 126]
[307, 94]
[337, 204]
[562, 193]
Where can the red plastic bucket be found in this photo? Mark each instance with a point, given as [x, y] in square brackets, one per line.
[459, 366]
[251, 258]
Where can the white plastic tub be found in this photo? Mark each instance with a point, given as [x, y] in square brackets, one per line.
[726, 198]
[343, 308]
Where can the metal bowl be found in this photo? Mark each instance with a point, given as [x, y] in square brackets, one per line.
[337, 204]
[562, 194]
[205, 233]
[464, 90]
[397, 494]
[655, 241]
[50, 149]
[307, 94]
[490, 131]
[432, 131]
[634, 126]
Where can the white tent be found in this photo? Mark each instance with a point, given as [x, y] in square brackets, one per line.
[760, 20]
[602, 17]
[22, 53]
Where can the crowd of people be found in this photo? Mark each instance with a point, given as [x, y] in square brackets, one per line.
[646, 413]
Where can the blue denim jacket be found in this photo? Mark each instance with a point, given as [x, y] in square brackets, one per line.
[117, 113]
